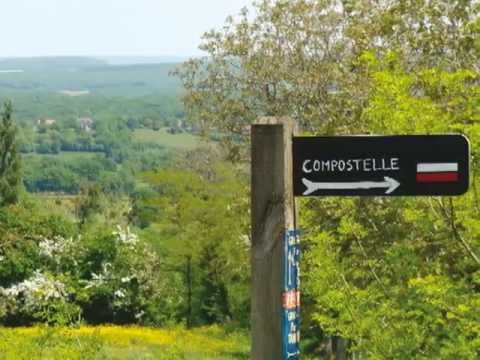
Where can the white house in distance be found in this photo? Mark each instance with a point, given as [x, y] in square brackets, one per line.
[86, 124]
[46, 122]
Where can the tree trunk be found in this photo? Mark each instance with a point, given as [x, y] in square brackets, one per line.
[188, 277]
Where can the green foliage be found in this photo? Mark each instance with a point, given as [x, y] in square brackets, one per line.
[9, 158]
[303, 59]
[123, 282]
[88, 204]
[50, 273]
[201, 227]
[397, 276]
[68, 173]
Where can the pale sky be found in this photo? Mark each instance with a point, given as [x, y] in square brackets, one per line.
[109, 27]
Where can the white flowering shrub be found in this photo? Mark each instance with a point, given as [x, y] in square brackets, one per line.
[38, 297]
[122, 287]
[38, 288]
[56, 247]
[125, 236]
[111, 277]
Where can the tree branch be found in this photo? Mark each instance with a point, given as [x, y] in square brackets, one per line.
[451, 218]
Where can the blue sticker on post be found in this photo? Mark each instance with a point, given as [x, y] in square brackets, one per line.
[291, 296]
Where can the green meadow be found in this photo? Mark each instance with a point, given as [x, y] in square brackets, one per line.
[114, 342]
[161, 137]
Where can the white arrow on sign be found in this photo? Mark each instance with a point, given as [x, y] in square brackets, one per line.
[390, 184]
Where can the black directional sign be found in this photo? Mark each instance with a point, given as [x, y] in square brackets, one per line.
[381, 165]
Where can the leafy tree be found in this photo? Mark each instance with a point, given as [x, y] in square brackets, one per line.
[9, 158]
[200, 228]
[89, 203]
[50, 175]
[300, 58]
[26, 138]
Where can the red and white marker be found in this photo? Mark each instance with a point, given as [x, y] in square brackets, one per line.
[437, 172]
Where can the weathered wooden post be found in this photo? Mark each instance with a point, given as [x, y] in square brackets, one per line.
[273, 215]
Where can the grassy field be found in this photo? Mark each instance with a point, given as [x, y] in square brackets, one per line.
[163, 138]
[112, 342]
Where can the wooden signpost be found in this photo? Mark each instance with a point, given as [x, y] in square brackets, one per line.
[284, 166]
[273, 215]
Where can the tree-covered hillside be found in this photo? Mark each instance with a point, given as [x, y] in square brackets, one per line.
[77, 76]
[49, 63]
[82, 121]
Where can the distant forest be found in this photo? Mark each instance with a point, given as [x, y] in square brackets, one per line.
[84, 121]
[54, 75]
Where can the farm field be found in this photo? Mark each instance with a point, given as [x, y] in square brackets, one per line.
[114, 342]
[163, 138]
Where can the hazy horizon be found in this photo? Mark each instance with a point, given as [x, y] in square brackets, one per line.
[97, 56]
[110, 28]
[110, 60]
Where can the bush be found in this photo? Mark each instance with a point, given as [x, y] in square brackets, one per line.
[50, 274]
